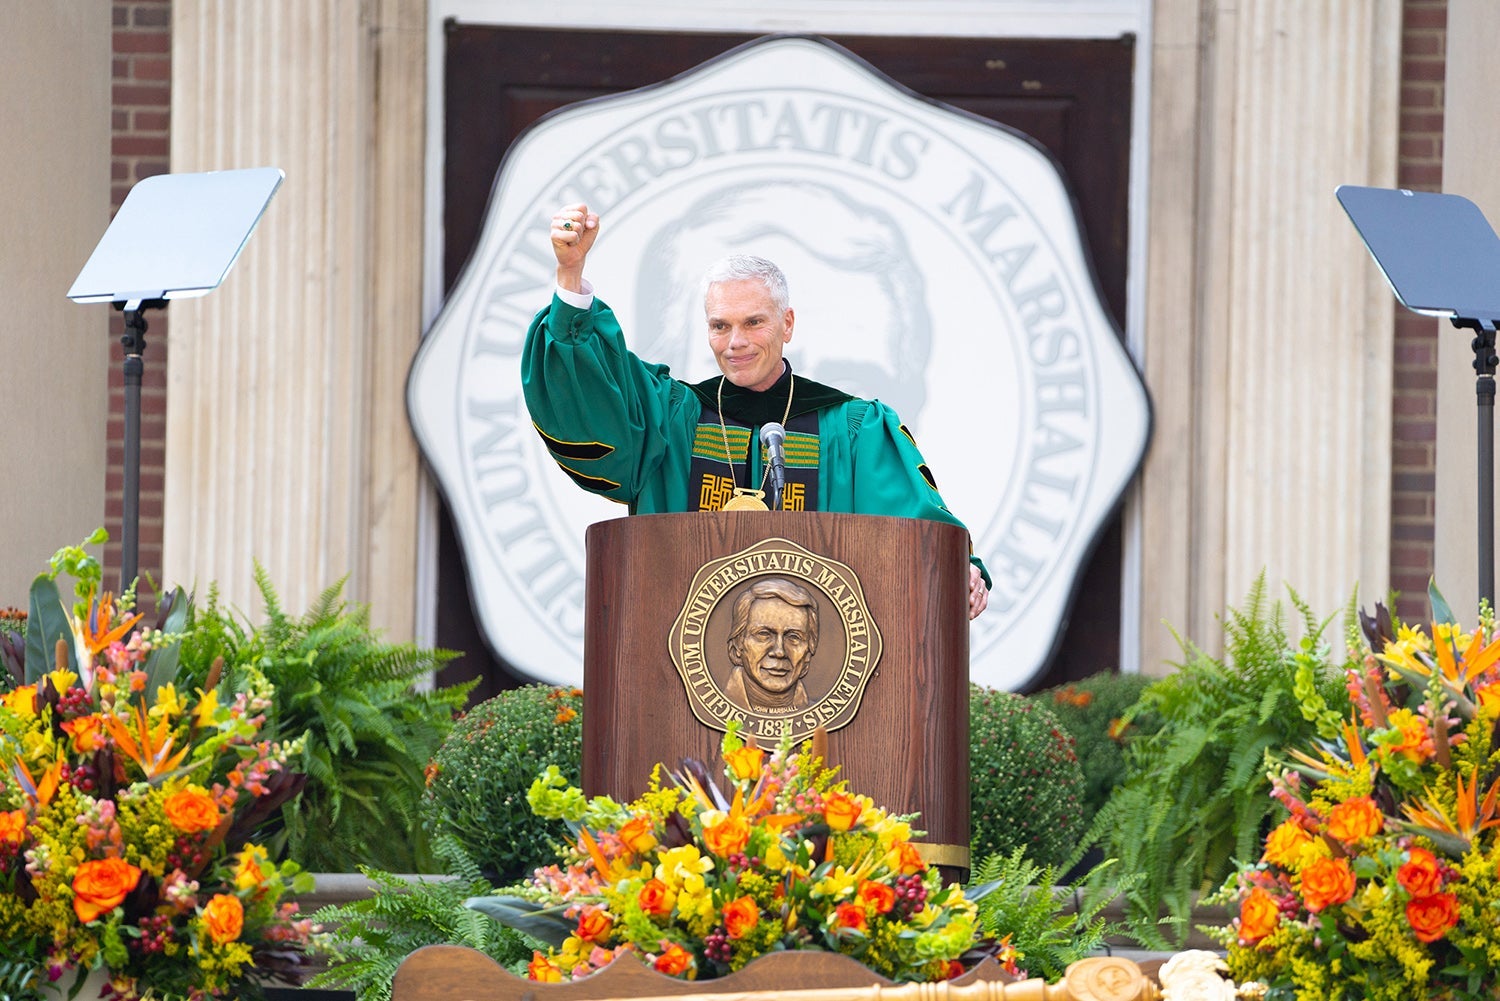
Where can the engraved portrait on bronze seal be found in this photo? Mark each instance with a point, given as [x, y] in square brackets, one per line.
[776, 637]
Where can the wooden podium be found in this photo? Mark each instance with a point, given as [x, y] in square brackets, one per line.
[651, 579]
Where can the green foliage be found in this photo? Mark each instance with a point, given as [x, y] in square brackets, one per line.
[1093, 711]
[1025, 783]
[20, 979]
[485, 769]
[369, 729]
[1050, 926]
[1196, 796]
[372, 936]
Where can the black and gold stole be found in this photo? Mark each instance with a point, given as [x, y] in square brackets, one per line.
[712, 479]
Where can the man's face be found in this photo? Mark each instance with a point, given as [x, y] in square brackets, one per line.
[776, 646]
[746, 333]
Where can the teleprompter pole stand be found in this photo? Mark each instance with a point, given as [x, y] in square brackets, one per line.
[1485, 361]
[134, 343]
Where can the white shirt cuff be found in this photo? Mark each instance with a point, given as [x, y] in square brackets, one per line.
[578, 300]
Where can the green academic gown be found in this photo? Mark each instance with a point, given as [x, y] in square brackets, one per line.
[625, 429]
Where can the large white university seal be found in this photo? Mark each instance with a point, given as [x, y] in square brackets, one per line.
[955, 286]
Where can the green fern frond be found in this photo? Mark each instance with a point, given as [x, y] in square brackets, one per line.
[1195, 794]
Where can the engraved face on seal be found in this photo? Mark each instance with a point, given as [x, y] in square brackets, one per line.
[777, 638]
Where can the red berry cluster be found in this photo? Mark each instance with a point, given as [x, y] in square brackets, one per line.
[911, 894]
[187, 854]
[739, 860]
[156, 932]
[716, 946]
[83, 777]
[75, 702]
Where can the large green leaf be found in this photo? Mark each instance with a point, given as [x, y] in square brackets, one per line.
[46, 624]
[539, 921]
[161, 662]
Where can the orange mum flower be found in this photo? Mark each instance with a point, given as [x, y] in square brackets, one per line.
[1327, 882]
[1355, 819]
[191, 811]
[637, 835]
[674, 961]
[594, 924]
[1259, 916]
[740, 916]
[728, 836]
[101, 885]
[1420, 876]
[746, 762]
[1431, 917]
[841, 810]
[655, 898]
[224, 918]
[12, 827]
[541, 970]
[850, 915]
[876, 896]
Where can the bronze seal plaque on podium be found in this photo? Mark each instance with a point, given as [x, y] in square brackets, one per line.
[776, 637]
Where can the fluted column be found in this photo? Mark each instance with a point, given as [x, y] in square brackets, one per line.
[1471, 135]
[1268, 334]
[287, 439]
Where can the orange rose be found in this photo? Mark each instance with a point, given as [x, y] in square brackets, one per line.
[542, 970]
[841, 810]
[908, 859]
[849, 915]
[1354, 820]
[594, 925]
[1420, 876]
[251, 868]
[728, 836]
[100, 885]
[192, 810]
[1431, 917]
[87, 733]
[740, 916]
[224, 918]
[655, 898]
[674, 961]
[637, 835]
[745, 763]
[1327, 882]
[1284, 845]
[876, 897]
[12, 827]
[1258, 916]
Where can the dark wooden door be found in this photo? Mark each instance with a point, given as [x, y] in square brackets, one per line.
[1072, 96]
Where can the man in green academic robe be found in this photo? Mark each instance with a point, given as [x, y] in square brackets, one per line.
[624, 428]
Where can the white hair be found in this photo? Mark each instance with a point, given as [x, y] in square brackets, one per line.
[744, 267]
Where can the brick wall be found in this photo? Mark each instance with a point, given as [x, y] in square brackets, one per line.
[142, 97]
[1414, 406]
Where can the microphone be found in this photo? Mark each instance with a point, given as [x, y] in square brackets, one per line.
[773, 436]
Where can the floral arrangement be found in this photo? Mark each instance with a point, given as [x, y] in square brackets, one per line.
[126, 808]
[697, 884]
[1383, 881]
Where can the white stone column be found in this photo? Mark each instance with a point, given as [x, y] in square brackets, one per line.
[1268, 335]
[287, 439]
[57, 355]
[1471, 136]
